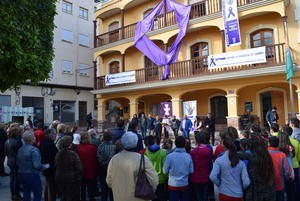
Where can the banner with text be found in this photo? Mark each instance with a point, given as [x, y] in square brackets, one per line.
[231, 22]
[120, 78]
[237, 58]
[190, 109]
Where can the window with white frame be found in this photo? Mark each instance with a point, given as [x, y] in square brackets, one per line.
[66, 35]
[51, 73]
[67, 7]
[67, 66]
[83, 13]
[83, 40]
[83, 69]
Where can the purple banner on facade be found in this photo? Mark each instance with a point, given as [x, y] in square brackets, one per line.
[149, 48]
[231, 22]
[166, 109]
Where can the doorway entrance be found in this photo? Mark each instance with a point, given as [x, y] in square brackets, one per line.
[266, 102]
[219, 109]
[82, 109]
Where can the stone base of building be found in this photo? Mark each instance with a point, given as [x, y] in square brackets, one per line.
[233, 121]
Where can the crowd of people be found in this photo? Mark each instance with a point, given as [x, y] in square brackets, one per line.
[258, 164]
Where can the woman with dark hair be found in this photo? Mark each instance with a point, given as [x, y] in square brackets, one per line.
[234, 135]
[220, 149]
[230, 174]
[261, 173]
[202, 157]
[198, 124]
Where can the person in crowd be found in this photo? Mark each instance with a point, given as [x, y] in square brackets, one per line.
[118, 131]
[12, 145]
[88, 156]
[35, 120]
[234, 135]
[245, 134]
[54, 124]
[89, 121]
[245, 150]
[168, 146]
[143, 124]
[150, 124]
[60, 130]
[135, 119]
[282, 169]
[274, 129]
[48, 153]
[198, 124]
[210, 124]
[185, 127]
[3, 138]
[179, 166]
[39, 134]
[272, 116]
[132, 127]
[230, 174]
[175, 124]
[265, 133]
[106, 151]
[188, 145]
[68, 171]
[296, 145]
[94, 139]
[294, 123]
[29, 122]
[220, 149]
[166, 124]
[157, 157]
[123, 168]
[286, 146]
[157, 127]
[202, 157]
[29, 168]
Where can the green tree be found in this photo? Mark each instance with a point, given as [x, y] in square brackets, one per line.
[26, 41]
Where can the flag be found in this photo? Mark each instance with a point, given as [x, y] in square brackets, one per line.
[289, 66]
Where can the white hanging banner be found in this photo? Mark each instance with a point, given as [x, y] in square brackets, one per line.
[190, 109]
[237, 58]
[120, 78]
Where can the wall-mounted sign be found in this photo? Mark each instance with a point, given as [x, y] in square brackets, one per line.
[120, 78]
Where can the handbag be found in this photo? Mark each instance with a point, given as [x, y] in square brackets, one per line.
[143, 188]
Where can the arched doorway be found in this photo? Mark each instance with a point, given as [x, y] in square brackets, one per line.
[113, 29]
[114, 67]
[219, 110]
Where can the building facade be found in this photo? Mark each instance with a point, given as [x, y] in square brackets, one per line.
[66, 95]
[227, 93]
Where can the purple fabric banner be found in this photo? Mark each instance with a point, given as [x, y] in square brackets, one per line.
[231, 22]
[166, 109]
[152, 51]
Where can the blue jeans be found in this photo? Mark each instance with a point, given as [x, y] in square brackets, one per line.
[15, 185]
[31, 182]
[186, 133]
[200, 191]
[180, 195]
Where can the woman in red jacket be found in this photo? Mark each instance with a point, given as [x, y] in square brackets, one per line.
[202, 157]
[88, 155]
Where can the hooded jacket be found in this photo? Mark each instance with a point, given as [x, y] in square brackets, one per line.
[157, 157]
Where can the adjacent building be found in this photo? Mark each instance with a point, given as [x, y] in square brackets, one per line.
[230, 94]
[66, 96]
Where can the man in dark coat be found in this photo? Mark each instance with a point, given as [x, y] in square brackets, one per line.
[3, 138]
[48, 153]
[150, 124]
[210, 125]
[89, 119]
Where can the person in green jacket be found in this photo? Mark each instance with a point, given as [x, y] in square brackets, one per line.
[157, 156]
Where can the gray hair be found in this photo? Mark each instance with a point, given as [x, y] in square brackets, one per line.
[28, 136]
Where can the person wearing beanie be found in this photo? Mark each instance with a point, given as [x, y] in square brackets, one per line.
[123, 167]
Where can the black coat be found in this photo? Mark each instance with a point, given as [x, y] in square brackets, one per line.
[48, 153]
[150, 123]
[3, 138]
[210, 122]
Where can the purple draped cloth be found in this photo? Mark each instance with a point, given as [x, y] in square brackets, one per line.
[148, 47]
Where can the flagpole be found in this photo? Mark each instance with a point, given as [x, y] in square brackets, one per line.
[287, 45]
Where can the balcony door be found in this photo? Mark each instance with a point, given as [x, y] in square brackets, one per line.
[264, 37]
[151, 70]
[198, 8]
[199, 53]
[113, 29]
[114, 67]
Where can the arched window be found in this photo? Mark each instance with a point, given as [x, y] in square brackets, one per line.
[113, 29]
[262, 37]
[114, 67]
[199, 50]
[199, 53]
[155, 23]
